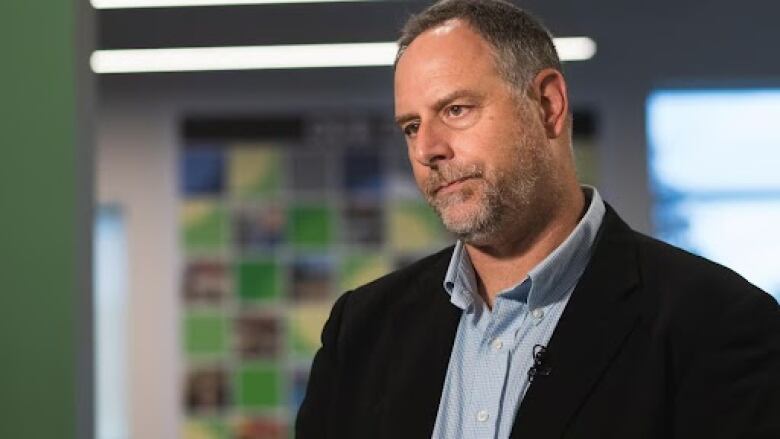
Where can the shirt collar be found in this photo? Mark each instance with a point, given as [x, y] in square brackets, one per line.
[549, 280]
[460, 281]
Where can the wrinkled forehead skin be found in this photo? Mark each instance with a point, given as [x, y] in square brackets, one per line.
[444, 58]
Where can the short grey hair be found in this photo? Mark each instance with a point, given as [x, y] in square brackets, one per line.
[522, 45]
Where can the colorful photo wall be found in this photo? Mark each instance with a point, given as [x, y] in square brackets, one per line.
[274, 227]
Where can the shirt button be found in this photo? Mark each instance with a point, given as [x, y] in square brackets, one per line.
[497, 344]
[482, 415]
[538, 313]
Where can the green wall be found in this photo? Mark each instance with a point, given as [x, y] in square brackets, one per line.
[42, 223]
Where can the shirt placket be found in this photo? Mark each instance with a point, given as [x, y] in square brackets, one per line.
[489, 379]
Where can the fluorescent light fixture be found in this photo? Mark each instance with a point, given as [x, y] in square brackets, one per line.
[243, 58]
[298, 56]
[575, 48]
[135, 4]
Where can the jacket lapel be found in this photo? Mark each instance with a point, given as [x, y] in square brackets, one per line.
[425, 325]
[599, 316]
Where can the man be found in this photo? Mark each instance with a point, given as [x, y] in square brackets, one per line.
[550, 317]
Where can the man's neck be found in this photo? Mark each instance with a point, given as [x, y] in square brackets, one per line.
[508, 261]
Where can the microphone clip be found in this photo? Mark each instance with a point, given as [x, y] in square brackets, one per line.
[539, 368]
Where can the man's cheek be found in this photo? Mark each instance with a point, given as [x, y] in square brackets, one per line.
[420, 177]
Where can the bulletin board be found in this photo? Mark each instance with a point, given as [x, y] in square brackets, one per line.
[278, 217]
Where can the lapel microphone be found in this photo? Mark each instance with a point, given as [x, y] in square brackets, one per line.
[539, 368]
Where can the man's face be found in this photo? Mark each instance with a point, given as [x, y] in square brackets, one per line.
[478, 151]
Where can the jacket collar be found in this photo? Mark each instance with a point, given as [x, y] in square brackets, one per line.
[600, 315]
[424, 327]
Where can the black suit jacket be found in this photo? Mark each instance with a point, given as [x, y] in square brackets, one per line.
[654, 343]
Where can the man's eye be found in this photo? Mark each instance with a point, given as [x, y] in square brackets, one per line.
[411, 129]
[456, 110]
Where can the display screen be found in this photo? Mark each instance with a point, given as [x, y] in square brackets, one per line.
[714, 165]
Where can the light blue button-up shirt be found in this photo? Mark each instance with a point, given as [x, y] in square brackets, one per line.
[487, 376]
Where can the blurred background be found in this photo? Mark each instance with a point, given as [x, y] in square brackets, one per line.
[176, 223]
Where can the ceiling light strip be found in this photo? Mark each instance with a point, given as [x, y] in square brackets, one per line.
[575, 48]
[137, 4]
[243, 58]
[299, 56]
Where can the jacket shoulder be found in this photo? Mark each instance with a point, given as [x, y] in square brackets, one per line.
[692, 296]
[665, 264]
[398, 285]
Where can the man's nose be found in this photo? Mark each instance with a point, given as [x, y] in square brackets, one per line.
[432, 144]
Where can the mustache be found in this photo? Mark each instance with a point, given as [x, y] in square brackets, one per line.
[444, 175]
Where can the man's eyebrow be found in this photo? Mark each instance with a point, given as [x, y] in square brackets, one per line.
[457, 94]
[439, 104]
[402, 119]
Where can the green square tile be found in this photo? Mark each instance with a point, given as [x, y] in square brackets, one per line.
[258, 280]
[311, 226]
[255, 170]
[305, 326]
[204, 225]
[361, 268]
[205, 334]
[205, 428]
[259, 385]
[414, 226]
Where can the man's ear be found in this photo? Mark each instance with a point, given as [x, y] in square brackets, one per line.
[549, 87]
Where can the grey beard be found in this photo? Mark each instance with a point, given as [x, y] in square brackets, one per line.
[502, 205]
[481, 225]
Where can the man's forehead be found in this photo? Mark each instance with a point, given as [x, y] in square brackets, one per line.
[454, 34]
[444, 59]
[447, 26]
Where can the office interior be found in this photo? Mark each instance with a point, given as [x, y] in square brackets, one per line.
[174, 240]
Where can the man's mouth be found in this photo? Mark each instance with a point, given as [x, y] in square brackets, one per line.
[451, 185]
